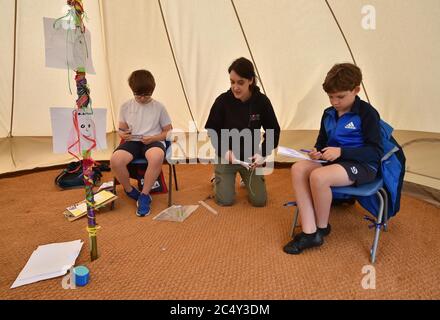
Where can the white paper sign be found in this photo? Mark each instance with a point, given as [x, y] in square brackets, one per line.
[63, 128]
[67, 48]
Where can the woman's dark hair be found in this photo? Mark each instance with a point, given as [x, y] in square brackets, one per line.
[245, 69]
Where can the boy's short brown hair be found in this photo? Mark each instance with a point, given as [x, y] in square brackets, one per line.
[342, 77]
[142, 82]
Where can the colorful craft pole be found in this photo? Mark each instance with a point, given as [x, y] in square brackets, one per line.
[83, 122]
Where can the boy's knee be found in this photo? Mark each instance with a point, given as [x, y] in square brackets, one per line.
[316, 178]
[155, 156]
[156, 162]
[116, 161]
[298, 168]
[302, 164]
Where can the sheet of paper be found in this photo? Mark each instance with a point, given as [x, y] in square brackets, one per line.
[67, 48]
[106, 185]
[49, 261]
[242, 163]
[176, 213]
[292, 153]
[62, 127]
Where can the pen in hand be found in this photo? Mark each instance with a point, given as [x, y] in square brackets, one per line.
[313, 155]
[125, 133]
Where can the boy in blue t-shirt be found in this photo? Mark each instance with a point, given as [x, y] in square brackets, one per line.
[349, 140]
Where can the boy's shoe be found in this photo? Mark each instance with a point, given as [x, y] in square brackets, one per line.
[325, 231]
[322, 231]
[303, 241]
[134, 194]
[143, 205]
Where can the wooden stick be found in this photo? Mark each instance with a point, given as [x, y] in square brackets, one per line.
[203, 203]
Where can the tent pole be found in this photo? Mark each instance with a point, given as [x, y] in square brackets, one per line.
[177, 66]
[248, 46]
[348, 45]
[13, 70]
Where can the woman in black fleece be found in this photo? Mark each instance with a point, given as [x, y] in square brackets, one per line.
[234, 125]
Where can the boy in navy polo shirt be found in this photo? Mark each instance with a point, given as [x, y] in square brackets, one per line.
[349, 140]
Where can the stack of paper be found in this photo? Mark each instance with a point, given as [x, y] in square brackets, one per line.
[292, 153]
[49, 261]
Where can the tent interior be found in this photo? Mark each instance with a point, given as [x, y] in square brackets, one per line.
[188, 46]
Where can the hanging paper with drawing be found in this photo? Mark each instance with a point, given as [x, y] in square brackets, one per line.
[65, 133]
[67, 48]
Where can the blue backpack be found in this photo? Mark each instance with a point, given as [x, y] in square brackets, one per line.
[392, 171]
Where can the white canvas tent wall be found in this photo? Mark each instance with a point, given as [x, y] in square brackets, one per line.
[188, 45]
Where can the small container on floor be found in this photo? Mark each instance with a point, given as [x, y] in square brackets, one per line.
[82, 275]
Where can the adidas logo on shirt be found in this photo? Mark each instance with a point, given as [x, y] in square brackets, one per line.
[350, 126]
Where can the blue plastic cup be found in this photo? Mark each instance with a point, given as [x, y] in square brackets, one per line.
[81, 275]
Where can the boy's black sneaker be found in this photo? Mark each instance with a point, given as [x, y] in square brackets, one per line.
[303, 241]
[325, 231]
[322, 231]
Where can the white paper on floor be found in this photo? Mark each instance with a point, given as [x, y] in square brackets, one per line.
[176, 213]
[49, 261]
